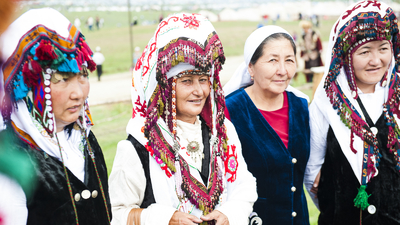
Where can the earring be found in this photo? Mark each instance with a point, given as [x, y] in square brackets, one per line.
[174, 106]
[251, 78]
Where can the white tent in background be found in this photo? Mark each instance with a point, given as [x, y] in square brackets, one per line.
[210, 15]
[228, 14]
[289, 10]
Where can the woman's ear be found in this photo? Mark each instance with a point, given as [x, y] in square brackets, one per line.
[250, 68]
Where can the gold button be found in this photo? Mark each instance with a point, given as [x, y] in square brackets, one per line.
[86, 194]
[294, 160]
[94, 194]
[77, 197]
[293, 189]
[294, 214]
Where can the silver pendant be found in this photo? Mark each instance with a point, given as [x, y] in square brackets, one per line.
[193, 146]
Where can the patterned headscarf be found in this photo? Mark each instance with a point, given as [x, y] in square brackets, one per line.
[363, 22]
[35, 46]
[40, 46]
[182, 43]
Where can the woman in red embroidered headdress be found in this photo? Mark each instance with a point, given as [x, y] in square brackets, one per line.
[182, 161]
[46, 115]
[354, 121]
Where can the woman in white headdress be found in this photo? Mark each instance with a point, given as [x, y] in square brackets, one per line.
[354, 121]
[45, 110]
[182, 161]
[271, 119]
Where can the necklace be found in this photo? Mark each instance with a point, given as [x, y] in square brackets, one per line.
[190, 137]
[193, 148]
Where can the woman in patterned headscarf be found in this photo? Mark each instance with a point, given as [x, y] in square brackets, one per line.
[47, 117]
[182, 161]
[354, 121]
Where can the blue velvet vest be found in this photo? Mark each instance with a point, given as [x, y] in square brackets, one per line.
[279, 170]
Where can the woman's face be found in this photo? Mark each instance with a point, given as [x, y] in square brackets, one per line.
[191, 94]
[370, 62]
[275, 68]
[68, 97]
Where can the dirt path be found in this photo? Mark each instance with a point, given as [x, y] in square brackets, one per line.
[117, 87]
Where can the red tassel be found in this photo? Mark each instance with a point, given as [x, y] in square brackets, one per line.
[351, 142]
[91, 65]
[88, 59]
[45, 51]
[37, 69]
[79, 59]
[84, 45]
[31, 72]
[86, 55]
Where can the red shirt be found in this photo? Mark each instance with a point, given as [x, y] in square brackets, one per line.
[278, 119]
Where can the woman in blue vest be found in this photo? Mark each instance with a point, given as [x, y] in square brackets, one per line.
[271, 119]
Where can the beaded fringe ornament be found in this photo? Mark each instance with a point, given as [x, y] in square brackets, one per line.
[163, 104]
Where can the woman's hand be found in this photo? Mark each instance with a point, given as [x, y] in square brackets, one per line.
[181, 218]
[314, 188]
[218, 216]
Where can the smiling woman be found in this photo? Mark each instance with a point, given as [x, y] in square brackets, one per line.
[271, 119]
[191, 94]
[353, 172]
[182, 161]
[47, 116]
[371, 62]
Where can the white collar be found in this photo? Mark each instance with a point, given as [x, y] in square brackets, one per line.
[186, 133]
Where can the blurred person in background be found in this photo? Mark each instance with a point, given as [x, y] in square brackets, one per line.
[47, 118]
[310, 49]
[99, 59]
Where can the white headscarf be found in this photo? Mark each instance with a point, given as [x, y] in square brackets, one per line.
[241, 77]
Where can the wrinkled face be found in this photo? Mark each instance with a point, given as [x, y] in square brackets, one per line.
[68, 96]
[191, 94]
[370, 62]
[275, 68]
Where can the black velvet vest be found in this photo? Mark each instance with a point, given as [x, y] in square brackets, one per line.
[338, 186]
[51, 201]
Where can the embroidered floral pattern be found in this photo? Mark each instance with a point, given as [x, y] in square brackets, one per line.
[231, 163]
[190, 21]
